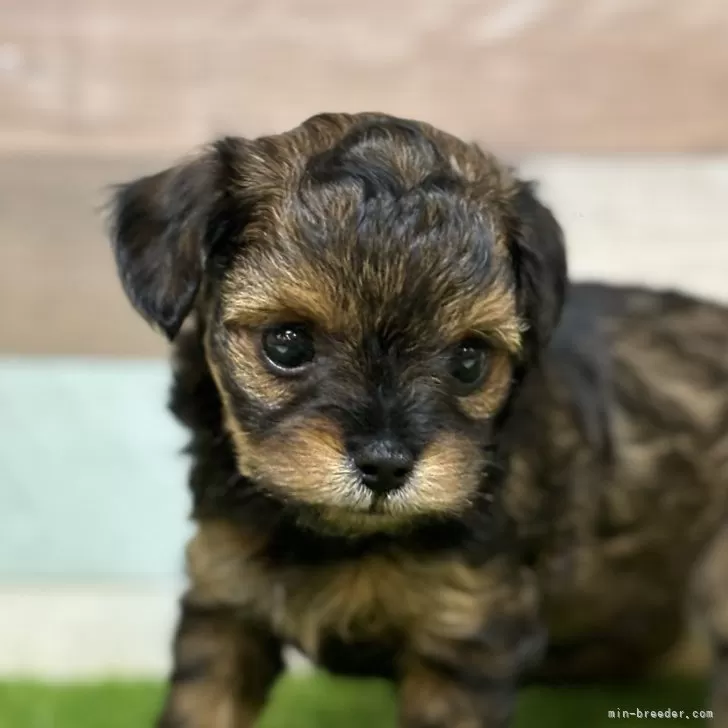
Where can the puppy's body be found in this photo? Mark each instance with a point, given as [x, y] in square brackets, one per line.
[635, 442]
[548, 519]
[618, 483]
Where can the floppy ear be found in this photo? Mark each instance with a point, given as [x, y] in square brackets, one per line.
[539, 259]
[162, 234]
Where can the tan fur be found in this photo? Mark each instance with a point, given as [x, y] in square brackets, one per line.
[310, 458]
[248, 371]
[443, 479]
[493, 316]
[261, 292]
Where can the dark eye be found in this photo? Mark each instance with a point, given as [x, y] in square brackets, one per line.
[469, 364]
[288, 347]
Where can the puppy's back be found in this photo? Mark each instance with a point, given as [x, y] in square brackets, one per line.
[646, 375]
[633, 461]
[668, 354]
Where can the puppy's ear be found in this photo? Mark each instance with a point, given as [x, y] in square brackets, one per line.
[539, 259]
[162, 232]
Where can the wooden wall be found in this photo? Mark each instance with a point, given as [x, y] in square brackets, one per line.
[531, 75]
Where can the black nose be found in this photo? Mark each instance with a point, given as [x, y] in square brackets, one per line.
[384, 465]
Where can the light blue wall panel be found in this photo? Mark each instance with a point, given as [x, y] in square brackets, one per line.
[92, 480]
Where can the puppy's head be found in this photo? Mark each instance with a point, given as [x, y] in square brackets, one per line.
[370, 289]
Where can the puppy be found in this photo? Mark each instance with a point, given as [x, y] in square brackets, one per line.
[416, 453]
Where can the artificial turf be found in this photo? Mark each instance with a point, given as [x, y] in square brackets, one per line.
[319, 701]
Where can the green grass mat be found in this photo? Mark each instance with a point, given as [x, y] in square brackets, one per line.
[320, 701]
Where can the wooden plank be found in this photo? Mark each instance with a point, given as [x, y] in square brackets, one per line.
[526, 75]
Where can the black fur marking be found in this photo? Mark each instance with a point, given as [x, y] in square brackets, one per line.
[581, 353]
[164, 228]
[359, 659]
[354, 159]
[539, 260]
[171, 721]
[189, 672]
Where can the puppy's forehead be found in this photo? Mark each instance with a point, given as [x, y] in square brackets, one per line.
[274, 165]
[366, 222]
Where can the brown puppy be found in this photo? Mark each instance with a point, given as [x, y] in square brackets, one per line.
[400, 463]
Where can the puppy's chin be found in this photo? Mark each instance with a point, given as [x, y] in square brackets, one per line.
[381, 517]
[352, 523]
[359, 512]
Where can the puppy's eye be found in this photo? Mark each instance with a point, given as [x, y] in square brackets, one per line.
[469, 364]
[288, 347]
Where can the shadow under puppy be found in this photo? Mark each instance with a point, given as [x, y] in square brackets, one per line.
[401, 464]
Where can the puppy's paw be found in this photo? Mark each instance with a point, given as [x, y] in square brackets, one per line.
[430, 698]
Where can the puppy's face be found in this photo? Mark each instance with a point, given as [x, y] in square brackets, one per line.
[368, 286]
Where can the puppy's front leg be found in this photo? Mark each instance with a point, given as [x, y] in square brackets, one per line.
[224, 667]
[432, 696]
[712, 592]
[465, 664]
